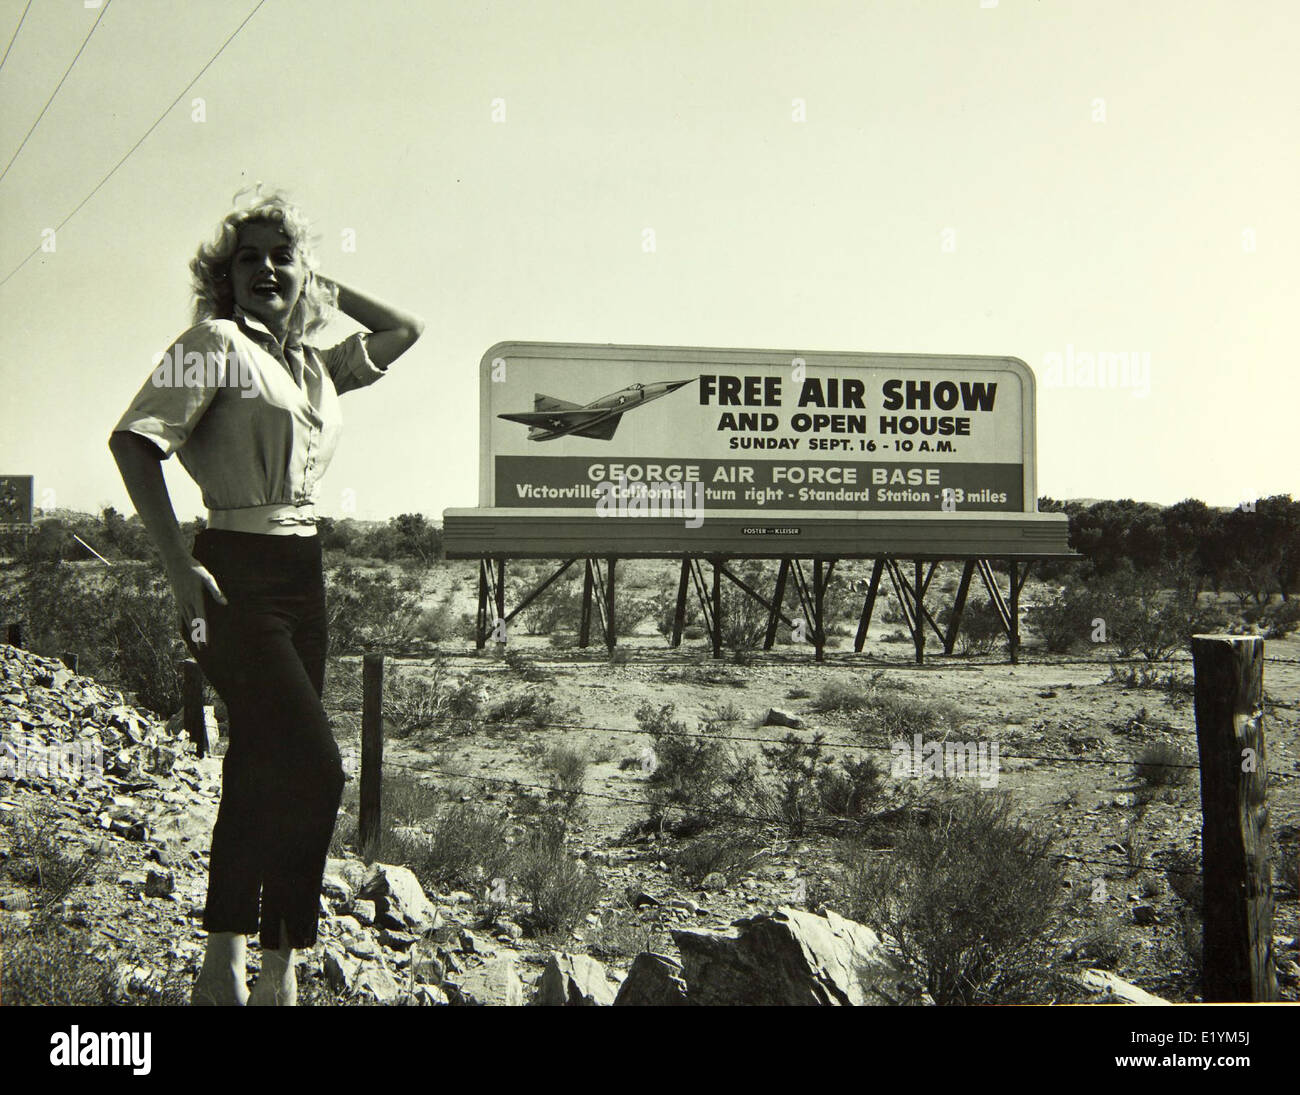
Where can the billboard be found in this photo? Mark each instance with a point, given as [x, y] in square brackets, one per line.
[16, 500]
[581, 428]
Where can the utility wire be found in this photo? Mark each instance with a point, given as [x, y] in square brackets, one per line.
[102, 12]
[157, 122]
[14, 36]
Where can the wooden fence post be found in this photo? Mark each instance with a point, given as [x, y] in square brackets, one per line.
[192, 705]
[1238, 943]
[372, 747]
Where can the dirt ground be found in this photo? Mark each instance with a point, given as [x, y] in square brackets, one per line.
[1065, 730]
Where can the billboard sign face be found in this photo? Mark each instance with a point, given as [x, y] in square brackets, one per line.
[16, 500]
[754, 433]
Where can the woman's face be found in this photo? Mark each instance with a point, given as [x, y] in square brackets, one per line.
[267, 274]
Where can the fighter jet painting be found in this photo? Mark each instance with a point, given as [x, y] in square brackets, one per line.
[551, 418]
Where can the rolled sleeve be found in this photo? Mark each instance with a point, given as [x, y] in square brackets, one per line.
[349, 364]
[174, 397]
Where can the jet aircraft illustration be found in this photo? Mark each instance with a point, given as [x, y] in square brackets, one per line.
[551, 418]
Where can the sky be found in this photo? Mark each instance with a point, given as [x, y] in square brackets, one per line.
[1043, 180]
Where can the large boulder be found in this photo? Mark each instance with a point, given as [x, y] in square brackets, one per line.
[790, 957]
[400, 903]
[573, 980]
[1106, 988]
[495, 983]
[655, 980]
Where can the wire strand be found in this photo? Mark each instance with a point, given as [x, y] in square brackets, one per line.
[13, 37]
[66, 72]
[157, 122]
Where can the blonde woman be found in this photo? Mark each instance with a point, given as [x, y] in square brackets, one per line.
[252, 409]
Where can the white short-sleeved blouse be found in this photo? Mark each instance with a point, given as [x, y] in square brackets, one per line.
[254, 426]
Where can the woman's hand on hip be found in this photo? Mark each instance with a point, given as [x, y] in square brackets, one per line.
[189, 578]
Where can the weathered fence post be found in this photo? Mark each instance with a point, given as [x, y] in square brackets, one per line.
[1238, 942]
[192, 705]
[372, 746]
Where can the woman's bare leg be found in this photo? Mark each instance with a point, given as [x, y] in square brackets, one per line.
[277, 984]
[221, 978]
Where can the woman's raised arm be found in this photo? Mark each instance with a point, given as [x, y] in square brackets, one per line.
[392, 331]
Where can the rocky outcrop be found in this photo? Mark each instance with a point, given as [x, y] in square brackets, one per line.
[788, 958]
[573, 980]
[654, 981]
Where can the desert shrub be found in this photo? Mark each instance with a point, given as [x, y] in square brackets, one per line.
[370, 612]
[1065, 618]
[38, 860]
[1144, 677]
[558, 604]
[537, 709]
[567, 769]
[463, 844]
[437, 622]
[981, 626]
[1279, 620]
[52, 967]
[556, 884]
[698, 773]
[524, 667]
[850, 696]
[415, 702]
[728, 850]
[850, 788]
[1164, 764]
[967, 894]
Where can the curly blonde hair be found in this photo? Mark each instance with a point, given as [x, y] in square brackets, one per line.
[214, 296]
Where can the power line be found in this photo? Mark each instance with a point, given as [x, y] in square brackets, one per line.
[14, 36]
[157, 122]
[102, 12]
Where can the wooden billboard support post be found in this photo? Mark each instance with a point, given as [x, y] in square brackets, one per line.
[774, 613]
[868, 605]
[1238, 962]
[372, 748]
[958, 606]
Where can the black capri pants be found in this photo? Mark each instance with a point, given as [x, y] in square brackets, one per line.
[282, 777]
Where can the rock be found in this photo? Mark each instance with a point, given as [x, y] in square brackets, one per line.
[336, 888]
[340, 970]
[685, 904]
[655, 980]
[495, 983]
[471, 944]
[1109, 989]
[1144, 914]
[426, 996]
[364, 911]
[790, 957]
[639, 899]
[395, 940]
[509, 929]
[399, 901]
[714, 880]
[159, 884]
[573, 980]
[377, 983]
[781, 718]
